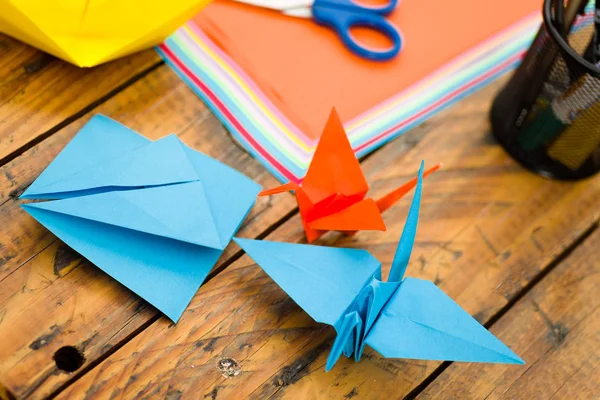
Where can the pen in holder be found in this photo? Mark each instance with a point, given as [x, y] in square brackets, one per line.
[548, 115]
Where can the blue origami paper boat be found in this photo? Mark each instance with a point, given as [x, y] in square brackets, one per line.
[401, 318]
[156, 216]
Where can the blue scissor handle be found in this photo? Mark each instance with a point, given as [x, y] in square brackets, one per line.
[384, 9]
[342, 17]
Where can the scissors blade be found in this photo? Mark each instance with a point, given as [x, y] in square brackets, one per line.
[300, 12]
[284, 6]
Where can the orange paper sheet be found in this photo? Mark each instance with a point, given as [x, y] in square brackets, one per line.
[304, 69]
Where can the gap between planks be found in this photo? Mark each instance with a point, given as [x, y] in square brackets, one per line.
[158, 314]
[72, 118]
[413, 394]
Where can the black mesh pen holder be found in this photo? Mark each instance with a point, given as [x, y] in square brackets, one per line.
[548, 115]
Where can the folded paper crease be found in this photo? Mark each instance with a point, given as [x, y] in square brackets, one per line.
[155, 215]
[332, 195]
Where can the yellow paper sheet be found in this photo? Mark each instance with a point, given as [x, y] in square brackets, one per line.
[90, 32]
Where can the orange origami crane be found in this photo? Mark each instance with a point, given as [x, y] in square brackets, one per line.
[332, 194]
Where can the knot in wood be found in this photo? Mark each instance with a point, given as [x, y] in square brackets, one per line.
[228, 367]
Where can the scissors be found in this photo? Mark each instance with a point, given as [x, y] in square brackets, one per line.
[341, 16]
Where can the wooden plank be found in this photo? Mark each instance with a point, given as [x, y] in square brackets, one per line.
[49, 296]
[555, 327]
[487, 229]
[39, 92]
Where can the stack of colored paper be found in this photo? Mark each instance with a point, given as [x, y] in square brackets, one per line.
[272, 79]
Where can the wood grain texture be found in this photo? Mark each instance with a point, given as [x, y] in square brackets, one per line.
[555, 328]
[49, 296]
[39, 92]
[487, 229]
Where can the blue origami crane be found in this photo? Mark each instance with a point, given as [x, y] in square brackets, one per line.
[156, 216]
[401, 318]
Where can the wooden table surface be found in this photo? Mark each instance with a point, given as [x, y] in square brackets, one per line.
[519, 252]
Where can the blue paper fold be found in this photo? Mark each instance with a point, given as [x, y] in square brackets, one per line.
[400, 318]
[322, 280]
[156, 216]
